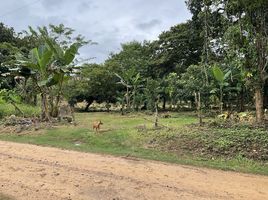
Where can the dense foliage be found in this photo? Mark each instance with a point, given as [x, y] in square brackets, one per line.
[217, 60]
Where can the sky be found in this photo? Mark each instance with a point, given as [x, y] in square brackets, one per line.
[106, 22]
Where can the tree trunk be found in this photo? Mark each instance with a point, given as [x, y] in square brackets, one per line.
[127, 99]
[35, 100]
[221, 101]
[192, 104]
[259, 105]
[87, 106]
[265, 98]
[122, 109]
[241, 101]
[144, 107]
[45, 114]
[55, 111]
[198, 106]
[156, 112]
[51, 105]
[72, 113]
[164, 103]
[261, 47]
[108, 107]
[156, 116]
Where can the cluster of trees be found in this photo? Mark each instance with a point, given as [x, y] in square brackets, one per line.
[218, 59]
[36, 63]
[235, 47]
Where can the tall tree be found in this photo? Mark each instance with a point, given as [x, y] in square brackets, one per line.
[252, 19]
[92, 82]
[176, 49]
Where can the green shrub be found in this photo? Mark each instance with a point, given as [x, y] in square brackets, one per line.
[214, 142]
[7, 109]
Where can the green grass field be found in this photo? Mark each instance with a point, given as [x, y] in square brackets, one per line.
[121, 136]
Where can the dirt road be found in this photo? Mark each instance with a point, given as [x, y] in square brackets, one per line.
[31, 173]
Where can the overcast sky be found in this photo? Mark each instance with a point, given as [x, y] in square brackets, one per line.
[107, 22]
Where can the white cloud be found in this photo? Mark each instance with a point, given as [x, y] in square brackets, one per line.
[107, 22]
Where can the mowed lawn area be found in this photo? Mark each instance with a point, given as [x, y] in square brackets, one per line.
[134, 135]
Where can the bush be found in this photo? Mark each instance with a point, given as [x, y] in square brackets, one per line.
[214, 142]
[7, 109]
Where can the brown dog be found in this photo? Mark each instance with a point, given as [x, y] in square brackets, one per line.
[96, 125]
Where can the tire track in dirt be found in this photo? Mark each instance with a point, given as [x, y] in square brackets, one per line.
[34, 172]
[91, 173]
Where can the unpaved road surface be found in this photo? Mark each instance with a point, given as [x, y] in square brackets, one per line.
[31, 172]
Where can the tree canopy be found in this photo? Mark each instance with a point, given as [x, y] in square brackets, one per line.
[220, 56]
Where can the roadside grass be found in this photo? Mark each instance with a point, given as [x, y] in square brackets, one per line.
[120, 136]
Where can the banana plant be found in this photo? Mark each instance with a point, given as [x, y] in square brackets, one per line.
[50, 64]
[62, 67]
[132, 80]
[221, 78]
[136, 82]
[39, 61]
